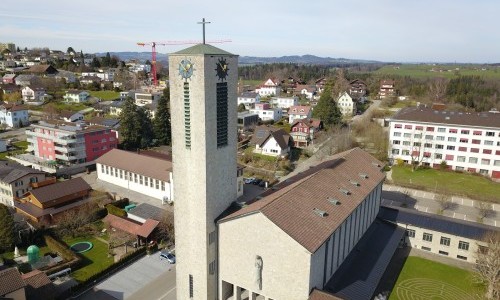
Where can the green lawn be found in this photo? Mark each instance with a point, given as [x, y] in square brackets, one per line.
[19, 147]
[425, 279]
[105, 95]
[447, 71]
[96, 259]
[463, 184]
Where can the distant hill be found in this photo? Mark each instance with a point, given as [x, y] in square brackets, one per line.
[251, 60]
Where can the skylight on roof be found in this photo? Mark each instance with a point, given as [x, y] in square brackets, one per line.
[363, 175]
[320, 212]
[333, 201]
[345, 192]
[260, 133]
[355, 183]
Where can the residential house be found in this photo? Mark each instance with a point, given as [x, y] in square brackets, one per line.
[464, 141]
[14, 116]
[46, 204]
[346, 104]
[266, 113]
[320, 84]
[67, 76]
[115, 108]
[69, 116]
[143, 174]
[308, 90]
[8, 46]
[249, 99]
[141, 231]
[247, 120]
[285, 102]
[12, 284]
[443, 236]
[15, 180]
[386, 89]
[303, 131]
[106, 122]
[39, 286]
[87, 80]
[76, 96]
[9, 88]
[271, 141]
[69, 143]
[299, 112]
[104, 76]
[6, 64]
[357, 89]
[270, 87]
[34, 93]
[144, 97]
[42, 70]
[9, 78]
[26, 80]
[145, 211]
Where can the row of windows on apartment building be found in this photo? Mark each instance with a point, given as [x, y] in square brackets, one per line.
[100, 132]
[445, 241]
[442, 138]
[104, 140]
[137, 178]
[450, 130]
[97, 149]
[449, 157]
[445, 253]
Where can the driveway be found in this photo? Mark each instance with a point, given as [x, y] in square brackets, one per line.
[147, 272]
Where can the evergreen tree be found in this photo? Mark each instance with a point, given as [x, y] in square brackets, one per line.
[241, 107]
[147, 133]
[6, 229]
[161, 122]
[95, 63]
[130, 126]
[327, 110]
[70, 50]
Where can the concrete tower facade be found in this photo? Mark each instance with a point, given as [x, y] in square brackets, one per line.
[203, 84]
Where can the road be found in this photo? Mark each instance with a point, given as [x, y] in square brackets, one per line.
[460, 208]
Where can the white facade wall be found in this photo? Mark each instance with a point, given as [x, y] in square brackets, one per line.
[266, 91]
[271, 148]
[471, 148]
[78, 98]
[444, 244]
[29, 94]
[285, 102]
[12, 118]
[136, 182]
[292, 117]
[346, 105]
[274, 114]
[248, 101]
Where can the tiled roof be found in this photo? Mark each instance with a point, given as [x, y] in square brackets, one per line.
[137, 163]
[290, 205]
[202, 49]
[10, 281]
[41, 69]
[38, 285]
[35, 211]
[10, 172]
[263, 133]
[148, 211]
[302, 110]
[307, 122]
[130, 226]
[322, 295]
[60, 189]
[13, 107]
[9, 76]
[249, 94]
[428, 115]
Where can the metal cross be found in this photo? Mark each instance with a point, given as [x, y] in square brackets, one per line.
[203, 23]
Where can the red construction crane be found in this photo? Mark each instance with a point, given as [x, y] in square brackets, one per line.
[153, 51]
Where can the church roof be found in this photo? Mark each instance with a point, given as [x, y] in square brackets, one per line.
[294, 204]
[203, 49]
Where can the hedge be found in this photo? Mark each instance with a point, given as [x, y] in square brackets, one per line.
[72, 260]
[116, 211]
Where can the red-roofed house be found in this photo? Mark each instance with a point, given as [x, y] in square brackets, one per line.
[299, 112]
[141, 231]
[303, 131]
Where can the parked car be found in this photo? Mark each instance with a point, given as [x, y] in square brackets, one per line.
[168, 256]
[257, 181]
[262, 183]
[249, 180]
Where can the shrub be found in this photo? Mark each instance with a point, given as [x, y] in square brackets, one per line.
[116, 211]
[443, 165]
[399, 162]
[121, 203]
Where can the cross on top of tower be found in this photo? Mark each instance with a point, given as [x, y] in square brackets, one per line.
[203, 25]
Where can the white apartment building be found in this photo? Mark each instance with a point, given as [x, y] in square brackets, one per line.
[76, 96]
[266, 113]
[299, 112]
[285, 102]
[346, 104]
[14, 116]
[249, 99]
[143, 98]
[465, 141]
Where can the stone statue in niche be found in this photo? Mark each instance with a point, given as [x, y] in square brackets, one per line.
[258, 271]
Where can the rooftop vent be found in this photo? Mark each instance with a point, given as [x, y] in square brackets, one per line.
[355, 183]
[344, 191]
[363, 175]
[376, 164]
[320, 212]
[333, 201]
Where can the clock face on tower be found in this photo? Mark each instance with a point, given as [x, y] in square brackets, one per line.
[185, 68]
[221, 69]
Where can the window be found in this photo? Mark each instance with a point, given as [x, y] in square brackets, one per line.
[406, 143]
[405, 152]
[445, 241]
[450, 147]
[474, 150]
[463, 245]
[395, 151]
[407, 135]
[463, 140]
[461, 158]
[464, 131]
[490, 133]
[473, 160]
[452, 139]
[397, 134]
[222, 114]
[410, 233]
[427, 237]
[441, 129]
[187, 122]
[426, 248]
[135, 178]
[162, 185]
[102, 168]
[408, 127]
[485, 161]
[430, 129]
[417, 144]
[157, 184]
[488, 143]
[487, 151]
[398, 126]
[429, 137]
[438, 156]
[483, 171]
[419, 127]
[449, 157]
[427, 145]
[453, 131]
[475, 132]
[418, 136]
[457, 168]
[443, 252]
[121, 174]
[141, 179]
[396, 142]
[463, 149]
[439, 146]
[211, 268]
[496, 163]
[440, 138]
[191, 286]
[461, 257]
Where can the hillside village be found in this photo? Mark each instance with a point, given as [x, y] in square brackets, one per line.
[88, 159]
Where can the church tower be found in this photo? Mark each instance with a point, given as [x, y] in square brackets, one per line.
[203, 83]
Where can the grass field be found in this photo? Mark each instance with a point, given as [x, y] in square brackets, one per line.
[424, 279]
[463, 184]
[19, 147]
[448, 71]
[95, 260]
[105, 95]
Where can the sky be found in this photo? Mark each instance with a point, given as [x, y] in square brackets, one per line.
[385, 30]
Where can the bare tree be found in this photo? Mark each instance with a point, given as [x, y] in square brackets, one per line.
[166, 230]
[484, 209]
[72, 222]
[437, 88]
[488, 264]
[444, 201]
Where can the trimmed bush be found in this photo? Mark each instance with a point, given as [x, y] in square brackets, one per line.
[116, 211]
[121, 203]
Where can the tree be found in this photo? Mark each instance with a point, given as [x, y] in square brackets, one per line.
[241, 107]
[130, 126]
[340, 85]
[166, 230]
[70, 50]
[147, 132]
[327, 110]
[7, 237]
[437, 89]
[484, 209]
[444, 201]
[95, 63]
[72, 221]
[488, 264]
[12, 97]
[161, 123]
